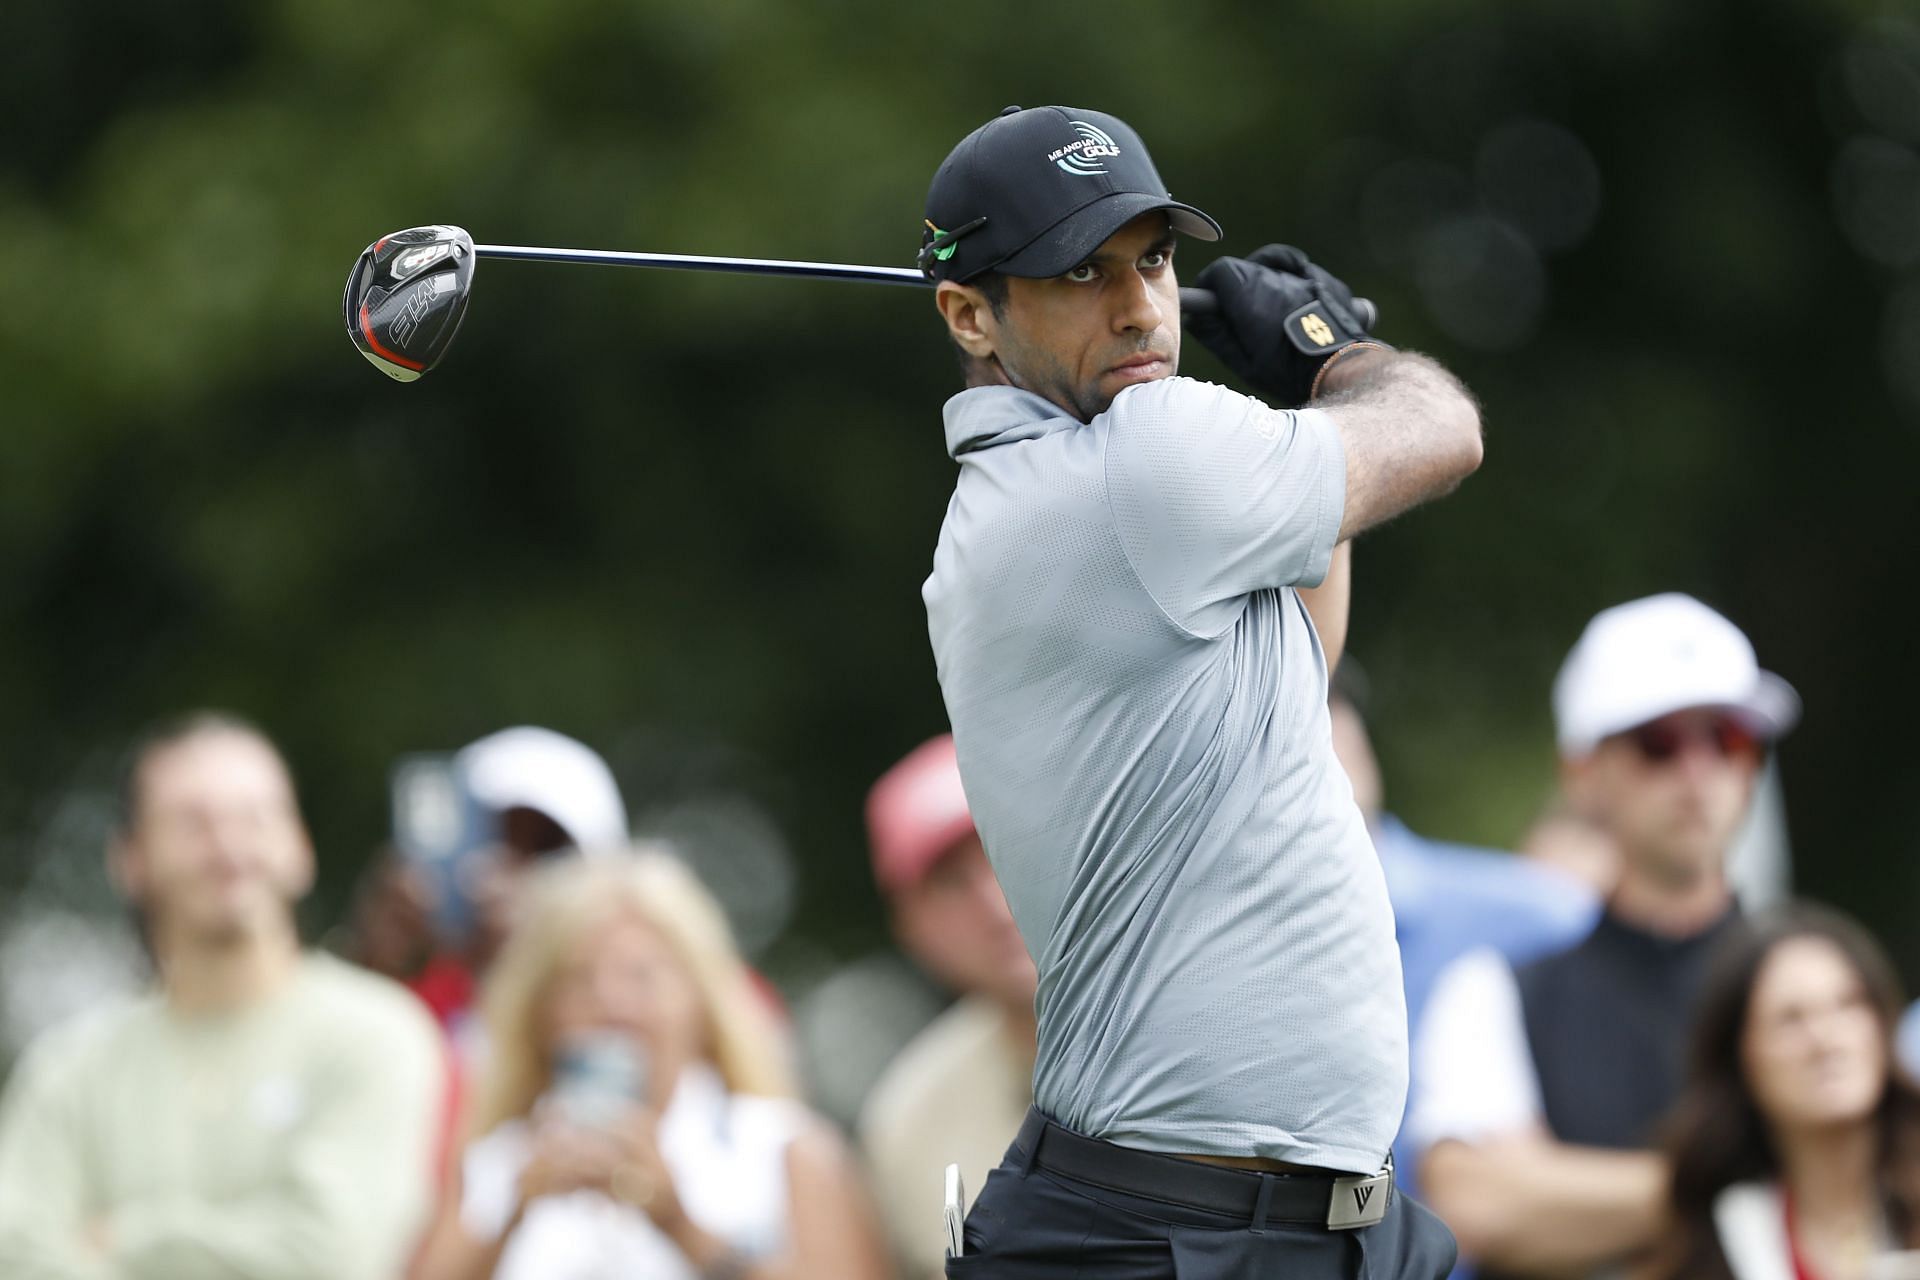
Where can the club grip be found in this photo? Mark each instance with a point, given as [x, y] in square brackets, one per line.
[1201, 302]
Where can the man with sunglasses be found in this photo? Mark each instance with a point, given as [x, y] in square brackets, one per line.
[1540, 1089]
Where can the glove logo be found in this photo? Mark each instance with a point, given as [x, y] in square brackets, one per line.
[1083, 157]
[1316, 329]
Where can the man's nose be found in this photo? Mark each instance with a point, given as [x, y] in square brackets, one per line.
[227, 833]
[1137, 309]
[1699, 759]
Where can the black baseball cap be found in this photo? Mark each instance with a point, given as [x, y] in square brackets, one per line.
[1034, 191]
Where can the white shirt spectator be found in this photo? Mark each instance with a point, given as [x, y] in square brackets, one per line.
[728, 1154]
[1474, 1078]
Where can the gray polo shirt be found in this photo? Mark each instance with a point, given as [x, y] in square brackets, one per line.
[1139, 701]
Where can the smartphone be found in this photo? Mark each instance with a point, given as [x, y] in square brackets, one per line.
[956, 1212]
[442, 832]
[597, 1078]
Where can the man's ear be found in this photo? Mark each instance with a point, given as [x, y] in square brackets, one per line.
[969, 318]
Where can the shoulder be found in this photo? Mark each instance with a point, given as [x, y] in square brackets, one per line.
[99, 1038]
[1185, 427]
[1750, 1220]
[759, 1120]
[920, 1075]
[355, 1005]
[1177, 399]
[816, 1153]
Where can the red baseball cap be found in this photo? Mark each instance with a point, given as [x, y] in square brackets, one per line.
[916, 813]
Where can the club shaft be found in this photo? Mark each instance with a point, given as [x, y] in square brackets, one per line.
[1191, 300]
[690, 262]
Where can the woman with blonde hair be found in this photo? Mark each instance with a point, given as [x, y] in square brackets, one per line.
[636, 1116]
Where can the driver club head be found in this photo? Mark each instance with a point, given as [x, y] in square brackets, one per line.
[406, 296]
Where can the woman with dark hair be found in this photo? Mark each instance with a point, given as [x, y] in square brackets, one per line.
[1795, 1147]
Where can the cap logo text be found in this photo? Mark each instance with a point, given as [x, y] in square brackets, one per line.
[1084, 155]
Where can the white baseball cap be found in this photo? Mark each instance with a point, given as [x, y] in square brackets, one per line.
[530, 768]
[1645, 659]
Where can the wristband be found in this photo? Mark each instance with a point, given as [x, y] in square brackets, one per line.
[1313, 392]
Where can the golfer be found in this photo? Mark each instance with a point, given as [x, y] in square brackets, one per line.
[1139, 590]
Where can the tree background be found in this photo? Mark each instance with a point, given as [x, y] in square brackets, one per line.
[1674, 248]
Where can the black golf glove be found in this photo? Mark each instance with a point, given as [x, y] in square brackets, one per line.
[1279, 320]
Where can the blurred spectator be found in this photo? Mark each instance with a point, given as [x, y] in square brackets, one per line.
[266, 1113]
[1795, 1146]
[634, 1117]
[537, 793]
[1449, 899]
[1539, 1091]
[958, 1091]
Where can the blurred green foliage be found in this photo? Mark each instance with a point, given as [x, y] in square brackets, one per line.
[686, 518]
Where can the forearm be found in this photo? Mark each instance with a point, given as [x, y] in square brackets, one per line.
[1328, 603]
[808, 1256]
[450, 1253]
[231, 1242]
[348, 1224]
[1411, 432]
[1539, 1205]
[47, 1229]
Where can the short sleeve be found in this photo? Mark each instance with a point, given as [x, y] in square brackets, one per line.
[1473, 1075]
[1216, 496]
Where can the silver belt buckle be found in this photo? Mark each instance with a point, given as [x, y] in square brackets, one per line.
[1360, 1201]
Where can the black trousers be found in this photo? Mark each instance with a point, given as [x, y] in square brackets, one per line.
[1029, 1223]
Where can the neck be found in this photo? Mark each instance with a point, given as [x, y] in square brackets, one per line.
[1670, 909]
[204, 975]
[1830, 1172]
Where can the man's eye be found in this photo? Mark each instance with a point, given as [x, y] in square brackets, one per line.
[1082, 273]
[1157, 259]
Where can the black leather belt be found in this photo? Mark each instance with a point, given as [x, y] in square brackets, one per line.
[1336, 1202]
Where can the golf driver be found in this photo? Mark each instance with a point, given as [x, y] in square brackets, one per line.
[408, 292]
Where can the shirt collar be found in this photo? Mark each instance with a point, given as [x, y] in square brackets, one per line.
[981, 417]
[1632, 936]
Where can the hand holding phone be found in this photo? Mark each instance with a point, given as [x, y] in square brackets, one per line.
[598, 1078]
